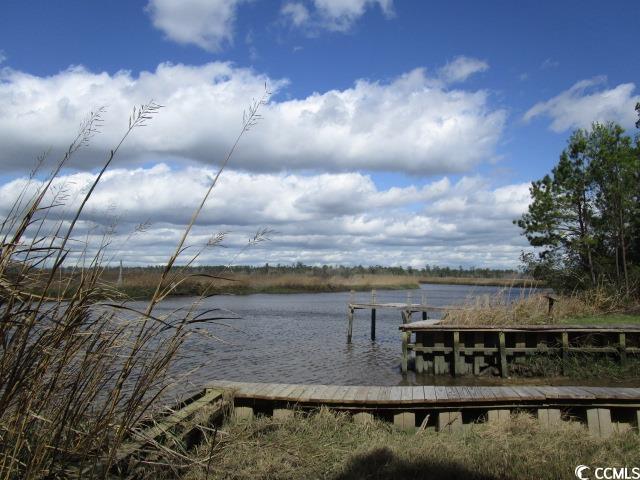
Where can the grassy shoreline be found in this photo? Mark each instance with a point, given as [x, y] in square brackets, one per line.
[141, 285]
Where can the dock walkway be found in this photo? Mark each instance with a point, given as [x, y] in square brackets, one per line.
[407, 309]
[603, 409]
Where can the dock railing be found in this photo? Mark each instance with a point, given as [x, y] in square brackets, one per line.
[461, 350]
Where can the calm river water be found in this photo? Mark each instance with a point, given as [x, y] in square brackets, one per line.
[301, 338]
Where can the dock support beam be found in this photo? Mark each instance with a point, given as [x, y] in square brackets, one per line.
[243, 413]
[363, 417]
[450, 421]
[373, 315]
[504, 370]
[549, 417]
[419, 356]
[350, 325]
[455, 359]
[502, 415]
[565, 352]
[282, 413]
[599, 422]
[405, 420]
[406, 336]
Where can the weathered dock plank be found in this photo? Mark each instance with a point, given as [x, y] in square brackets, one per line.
[429, 395]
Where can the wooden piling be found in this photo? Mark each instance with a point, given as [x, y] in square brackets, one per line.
[406, 336]
[350, 325]
[549, 417]
[521, 344]
[373, 315]
[243, 413]
[501, 415]
[438, 356]
[478, 357]
[565, 352]
[363, 417]
[419, 354]
[622, 346]
[423, 303]
[455, 360]
[450, 422]
[405, 421]
[599, 422]
[504, 370]
[282, 413]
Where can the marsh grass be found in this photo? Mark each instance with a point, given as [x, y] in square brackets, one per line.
[140, 284]
[532, 308]
[330, 445]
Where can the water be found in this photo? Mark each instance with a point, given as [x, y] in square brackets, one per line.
[301, 338]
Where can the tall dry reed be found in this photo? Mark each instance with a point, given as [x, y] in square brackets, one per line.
[77, 372]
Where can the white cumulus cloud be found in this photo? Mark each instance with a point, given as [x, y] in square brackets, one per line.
[205, 23]
[341, 218]
[333, 15]
[296, 13]
[588, 101]
[412, 123]
[461, 68]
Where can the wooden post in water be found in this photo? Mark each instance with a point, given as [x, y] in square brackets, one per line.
[423, 303]
[406, 336]
[409, 307]
[350, 317]
[419, 355]
[373, 315]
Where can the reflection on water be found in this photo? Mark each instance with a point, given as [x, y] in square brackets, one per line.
[301, 338]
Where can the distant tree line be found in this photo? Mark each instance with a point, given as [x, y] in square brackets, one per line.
[584, 217]
[344, 270]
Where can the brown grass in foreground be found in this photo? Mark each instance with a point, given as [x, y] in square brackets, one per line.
[329, 445]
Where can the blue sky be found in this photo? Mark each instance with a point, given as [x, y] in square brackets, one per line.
[511, 79]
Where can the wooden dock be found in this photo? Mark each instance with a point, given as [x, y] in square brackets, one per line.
[446, 408]
[462, 350]
[406, 311]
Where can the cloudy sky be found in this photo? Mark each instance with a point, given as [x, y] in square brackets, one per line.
[398, 132]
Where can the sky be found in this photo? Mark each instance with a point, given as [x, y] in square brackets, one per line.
[397, 132]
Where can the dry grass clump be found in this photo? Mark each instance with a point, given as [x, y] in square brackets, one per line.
[329, 445]
[533, 309]
[74, 377]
